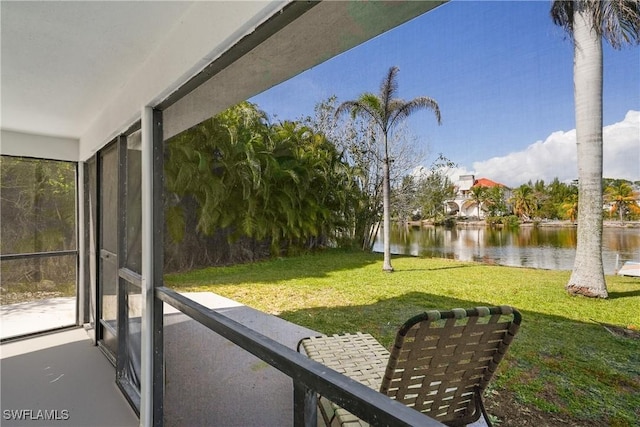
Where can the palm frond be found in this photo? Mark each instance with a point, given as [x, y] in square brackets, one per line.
[367, 106]
[372, 102]
[347, 106]
[620, 22]
[562, 15]
[405, 109]
[389, 86]
[617, 21]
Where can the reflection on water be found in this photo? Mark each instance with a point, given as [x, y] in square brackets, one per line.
[537, 247]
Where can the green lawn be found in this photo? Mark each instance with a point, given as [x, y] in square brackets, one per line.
[563, 366]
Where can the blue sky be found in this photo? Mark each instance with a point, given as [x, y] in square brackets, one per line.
[502, 74]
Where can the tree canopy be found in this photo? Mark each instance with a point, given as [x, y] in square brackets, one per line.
[283, 183]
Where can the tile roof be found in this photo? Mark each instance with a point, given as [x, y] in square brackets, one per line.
[485, 182]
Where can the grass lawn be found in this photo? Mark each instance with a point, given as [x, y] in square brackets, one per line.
[563, 368]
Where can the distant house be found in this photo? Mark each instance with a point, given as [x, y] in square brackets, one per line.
[463, 205]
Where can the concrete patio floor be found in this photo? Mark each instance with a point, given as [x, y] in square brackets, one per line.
[64, 374]
[209, 381]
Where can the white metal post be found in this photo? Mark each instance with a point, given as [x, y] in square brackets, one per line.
[146, 365]
[81, 292]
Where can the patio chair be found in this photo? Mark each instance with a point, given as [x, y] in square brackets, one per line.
[440, 363]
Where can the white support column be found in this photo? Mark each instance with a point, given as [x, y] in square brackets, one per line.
[146, 365]
[81, 293]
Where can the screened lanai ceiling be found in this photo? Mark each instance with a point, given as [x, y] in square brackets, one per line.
[63, 61]
[83, 70]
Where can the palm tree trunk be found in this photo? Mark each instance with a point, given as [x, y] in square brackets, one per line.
[386, 210]
[587, 277]
[621, 212]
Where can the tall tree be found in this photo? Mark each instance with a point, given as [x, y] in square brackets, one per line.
[355, 138]
[355, 141]
[387, 111]
[587, 22]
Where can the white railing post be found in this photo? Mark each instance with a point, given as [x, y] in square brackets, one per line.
[146, 347]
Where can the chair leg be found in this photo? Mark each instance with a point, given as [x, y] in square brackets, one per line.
[484, 411]
[322, 405]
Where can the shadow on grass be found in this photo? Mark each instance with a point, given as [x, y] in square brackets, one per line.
[382, 319]
[276, 270]
[317, 265]
[546, 344]
[630, 294]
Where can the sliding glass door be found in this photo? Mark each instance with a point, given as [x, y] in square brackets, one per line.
[115, 254]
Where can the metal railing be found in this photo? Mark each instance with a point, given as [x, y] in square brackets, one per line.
[33, 255]
[310, 378]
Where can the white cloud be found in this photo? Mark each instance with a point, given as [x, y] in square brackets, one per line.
[556, 157]
[622, 148]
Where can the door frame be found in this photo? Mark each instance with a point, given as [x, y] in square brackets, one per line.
[119, 358]
[100, 325]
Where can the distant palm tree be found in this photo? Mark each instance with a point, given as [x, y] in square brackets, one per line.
[523, 201]
[479, 195]
[570, 207]
[587, 22]
[387, 111]
[622, 196]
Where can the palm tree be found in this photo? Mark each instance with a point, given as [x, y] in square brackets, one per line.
[523, 201]
[387, 111]
[587, 22]
[478, 194]
[622, 196]
[570, 207]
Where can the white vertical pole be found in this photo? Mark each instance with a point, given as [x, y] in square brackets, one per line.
[146, 365]
[82, 294]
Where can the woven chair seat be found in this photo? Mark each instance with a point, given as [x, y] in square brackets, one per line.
[440, 363]
[359, 356]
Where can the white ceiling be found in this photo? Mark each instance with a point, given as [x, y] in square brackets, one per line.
[83, 70]
[56, 53]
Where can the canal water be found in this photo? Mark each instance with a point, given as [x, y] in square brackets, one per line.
[527, 246]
